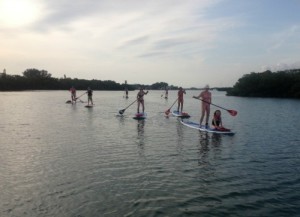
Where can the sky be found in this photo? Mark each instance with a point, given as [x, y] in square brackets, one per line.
[188, 43]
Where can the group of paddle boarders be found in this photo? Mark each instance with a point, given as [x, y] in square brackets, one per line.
[204, 96]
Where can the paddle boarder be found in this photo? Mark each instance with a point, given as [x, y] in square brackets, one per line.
[206, 97]
[180, 99]
[166, 93]
[73, 94]
[126, 92]
[140, 99]
[90, 96]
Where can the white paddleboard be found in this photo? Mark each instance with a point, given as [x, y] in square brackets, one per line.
[204, 129]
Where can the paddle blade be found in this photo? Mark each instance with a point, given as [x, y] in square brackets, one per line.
[121, 111]
[232, 112]
[167, 112]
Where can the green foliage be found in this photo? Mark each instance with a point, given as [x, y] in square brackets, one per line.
[34, 79]
[159, 86]
[282, 84]
[35, 73]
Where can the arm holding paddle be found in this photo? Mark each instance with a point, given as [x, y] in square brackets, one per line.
[232, 112]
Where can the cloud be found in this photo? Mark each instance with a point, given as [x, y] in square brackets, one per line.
[134, 41]
[157, 39]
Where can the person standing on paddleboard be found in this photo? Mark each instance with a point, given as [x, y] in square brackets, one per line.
[90, 96]
[140, 99]
[73, 94]
[206, 100]
[126, 92]
[166, 93]
[180, 99]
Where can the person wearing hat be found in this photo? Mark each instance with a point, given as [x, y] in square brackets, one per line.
[206, 100]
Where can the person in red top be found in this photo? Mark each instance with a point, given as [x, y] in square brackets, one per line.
[73, 94]
[206, 100]
[180, 98]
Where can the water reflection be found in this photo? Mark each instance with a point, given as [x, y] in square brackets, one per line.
[216, 140]
[204, 145]
[140, 132]
[180, 137]
[121, 119]
[207, 143]
[140, 138]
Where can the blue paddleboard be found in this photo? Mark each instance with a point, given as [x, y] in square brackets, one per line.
[180, 114]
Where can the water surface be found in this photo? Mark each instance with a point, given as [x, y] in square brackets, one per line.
[59, 159]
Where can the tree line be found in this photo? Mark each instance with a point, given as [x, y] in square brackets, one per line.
[281, 84]
[34, 79]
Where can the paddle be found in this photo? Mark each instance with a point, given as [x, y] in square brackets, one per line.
[80, 96]
[168, 111]
[232, 112]
[123, 110]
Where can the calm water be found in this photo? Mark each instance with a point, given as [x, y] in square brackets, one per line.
[58, 159]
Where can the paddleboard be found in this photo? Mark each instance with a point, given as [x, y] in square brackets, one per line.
[140, 116]
[196, 126]
[180, 114]
[89, 106]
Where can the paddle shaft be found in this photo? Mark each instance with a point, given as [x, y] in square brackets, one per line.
[173, 104]
[80, 95]
[130, 104]
[168, 111]
[212, 104]
[122, 111]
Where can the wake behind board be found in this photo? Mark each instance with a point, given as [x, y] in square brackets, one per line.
[140, 116]
[180, 114]
[204, 129]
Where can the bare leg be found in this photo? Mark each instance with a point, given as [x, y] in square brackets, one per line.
[202, 115]
[143, 106]
[207, 114]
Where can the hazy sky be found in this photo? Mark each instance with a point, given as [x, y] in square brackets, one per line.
[187, 43]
